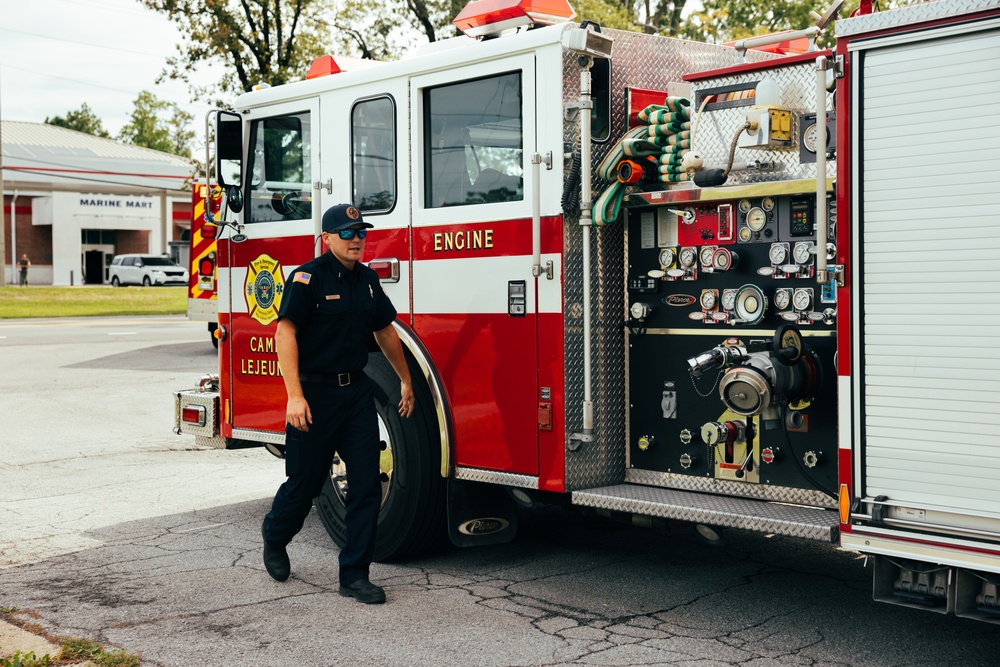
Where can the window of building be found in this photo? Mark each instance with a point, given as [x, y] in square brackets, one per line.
[280, 169]
[373, 154]
[473, 142]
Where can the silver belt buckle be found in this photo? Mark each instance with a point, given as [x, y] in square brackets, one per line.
[343, 379]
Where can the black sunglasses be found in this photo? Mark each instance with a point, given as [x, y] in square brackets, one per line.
[350, 233]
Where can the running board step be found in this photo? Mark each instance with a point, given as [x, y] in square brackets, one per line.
[766, 517]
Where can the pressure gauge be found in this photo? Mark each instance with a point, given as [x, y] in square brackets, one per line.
[708, 298]
[767, 203]
[723, 259]
[728, 299]
[778, 253]
[802, 299]
[802, 253]
[745, 234]
[687, 257]
[809, 138]
[706, 256]
[782, 298]
[756, 219]
[667, 257]
[744, 205]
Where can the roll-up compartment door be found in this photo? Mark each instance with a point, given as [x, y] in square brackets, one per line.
[927, 156]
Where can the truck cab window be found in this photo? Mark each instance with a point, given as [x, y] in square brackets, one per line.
[473, 142]
[373, 154]
[280, 170]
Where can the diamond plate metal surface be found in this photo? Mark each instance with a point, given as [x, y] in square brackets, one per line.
[254, 435]
[209, 400]
[805, 522]
[638, 61]
[717, 127]
[783, 494]
[927, 11]
[494, 477]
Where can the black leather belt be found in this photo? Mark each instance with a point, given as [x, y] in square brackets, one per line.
[336, 379]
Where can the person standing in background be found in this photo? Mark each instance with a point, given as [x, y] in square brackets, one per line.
[22, 266]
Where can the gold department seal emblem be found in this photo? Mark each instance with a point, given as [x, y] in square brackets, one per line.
[263, 288]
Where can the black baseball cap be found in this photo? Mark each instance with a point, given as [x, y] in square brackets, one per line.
[343, 216]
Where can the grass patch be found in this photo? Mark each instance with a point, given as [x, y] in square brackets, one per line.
[72, 650]
[18, 302]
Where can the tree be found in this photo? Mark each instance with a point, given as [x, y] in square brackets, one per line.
[81, 120]
[158, 125]
[256, 41]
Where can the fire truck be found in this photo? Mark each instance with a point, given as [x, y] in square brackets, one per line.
[659, 279]
[202, 302]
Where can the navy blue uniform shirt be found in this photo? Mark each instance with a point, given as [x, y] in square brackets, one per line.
[334, 310]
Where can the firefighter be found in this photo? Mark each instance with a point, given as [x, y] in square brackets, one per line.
[329, 308]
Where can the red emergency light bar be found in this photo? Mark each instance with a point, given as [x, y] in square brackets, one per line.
[481, 18]
[323, 66]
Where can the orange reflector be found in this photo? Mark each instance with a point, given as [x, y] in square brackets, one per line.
[323, 66]
[845, 504]
[220, 333]
[193, 414]
[489, 17]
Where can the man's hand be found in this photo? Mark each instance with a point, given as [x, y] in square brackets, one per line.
[407, 401]
[297, 413]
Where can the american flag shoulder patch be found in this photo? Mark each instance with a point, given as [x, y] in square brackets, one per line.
[302, 277]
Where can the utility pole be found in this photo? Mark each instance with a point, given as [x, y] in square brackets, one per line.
[3, 217]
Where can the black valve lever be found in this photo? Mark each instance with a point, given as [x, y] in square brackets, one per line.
[746, 466]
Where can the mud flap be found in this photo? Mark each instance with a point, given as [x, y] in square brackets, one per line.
[480, 514]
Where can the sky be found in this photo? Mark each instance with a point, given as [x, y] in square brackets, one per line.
[57, 54]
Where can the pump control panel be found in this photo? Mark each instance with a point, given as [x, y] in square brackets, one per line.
[744, 336]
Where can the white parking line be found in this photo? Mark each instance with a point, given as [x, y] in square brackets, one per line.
[122, 333]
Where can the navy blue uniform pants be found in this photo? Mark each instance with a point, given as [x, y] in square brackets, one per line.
[345, 422]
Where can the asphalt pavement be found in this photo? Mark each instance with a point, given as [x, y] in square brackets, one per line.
[116, 530]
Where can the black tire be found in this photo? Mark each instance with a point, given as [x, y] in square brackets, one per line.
[212, 326]
[146, 282]
[115, 282]
[412, 518]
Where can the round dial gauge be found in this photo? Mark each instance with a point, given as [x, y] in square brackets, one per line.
[729, 299]
[723, 259]
[788, 344]
[667, 256]
[801, 299]
[745, 234]
[809, 138]
[744, 205]
[687, 257]
[778, 253]
[781, 299]
[801, 253]
[706, 255]
[708, 300]
[756, 219]
[767, 203]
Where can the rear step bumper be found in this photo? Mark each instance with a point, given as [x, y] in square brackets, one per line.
[761, 516]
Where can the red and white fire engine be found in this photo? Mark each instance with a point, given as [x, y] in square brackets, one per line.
[739, 286]
[203, 304]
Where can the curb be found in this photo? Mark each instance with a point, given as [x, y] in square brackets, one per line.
[14, 639]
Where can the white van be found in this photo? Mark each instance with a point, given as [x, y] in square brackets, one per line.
[146, 270]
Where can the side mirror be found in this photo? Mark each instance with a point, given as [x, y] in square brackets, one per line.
[228, 148]
[234, 198]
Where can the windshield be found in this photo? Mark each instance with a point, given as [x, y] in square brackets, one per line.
[158, 261]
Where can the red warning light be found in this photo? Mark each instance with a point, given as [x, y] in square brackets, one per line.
[489, 17]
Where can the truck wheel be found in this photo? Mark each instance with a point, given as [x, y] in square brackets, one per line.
[412, 517]
[212, 326]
